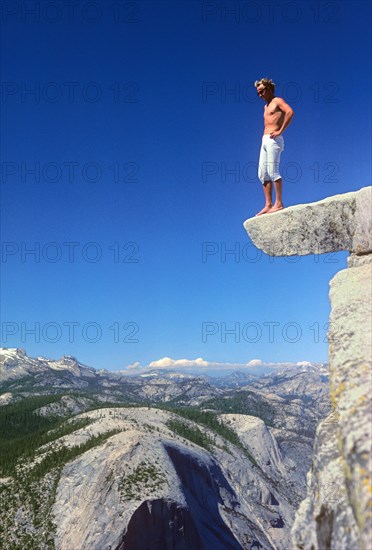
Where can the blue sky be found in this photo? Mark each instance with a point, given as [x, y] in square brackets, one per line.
[122, 125]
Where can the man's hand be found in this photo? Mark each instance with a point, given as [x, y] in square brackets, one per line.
[275, 134]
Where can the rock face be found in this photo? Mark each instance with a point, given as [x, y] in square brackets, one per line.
[325, 518]
[336, 514]
[157, 524]
[350, 352]
[341, 222]
[146, 487]
[261, 443]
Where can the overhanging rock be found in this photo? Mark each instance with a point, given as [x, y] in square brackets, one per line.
[341, 222]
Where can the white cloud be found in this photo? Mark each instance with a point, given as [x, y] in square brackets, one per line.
[255, 363]
[134, 366]
[200, 364]
[167, 363]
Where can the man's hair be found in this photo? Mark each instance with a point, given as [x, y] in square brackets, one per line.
[266, 82]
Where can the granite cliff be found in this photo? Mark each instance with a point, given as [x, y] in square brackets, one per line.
[336, 514]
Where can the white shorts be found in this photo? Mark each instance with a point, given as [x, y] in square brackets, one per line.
[268, 166]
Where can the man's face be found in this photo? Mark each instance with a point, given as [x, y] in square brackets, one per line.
[261, 91]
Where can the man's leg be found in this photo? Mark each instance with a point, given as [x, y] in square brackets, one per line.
[266, 183]
[278, 205]
[268, 191]
[274, 149]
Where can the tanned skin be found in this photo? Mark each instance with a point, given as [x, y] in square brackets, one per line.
[277, 117]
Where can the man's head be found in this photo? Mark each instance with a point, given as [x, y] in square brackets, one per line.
[265, 88]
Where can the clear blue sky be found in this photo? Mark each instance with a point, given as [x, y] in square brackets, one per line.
[120, 124]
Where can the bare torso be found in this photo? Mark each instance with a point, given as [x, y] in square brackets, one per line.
[273, 117]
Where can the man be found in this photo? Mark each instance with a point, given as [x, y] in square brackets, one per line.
[277, 116]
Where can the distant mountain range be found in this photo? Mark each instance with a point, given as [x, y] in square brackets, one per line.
[69, 372]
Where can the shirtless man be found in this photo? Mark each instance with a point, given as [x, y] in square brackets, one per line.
[277, 116]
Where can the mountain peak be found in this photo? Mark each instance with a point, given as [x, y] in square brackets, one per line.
[13, 352]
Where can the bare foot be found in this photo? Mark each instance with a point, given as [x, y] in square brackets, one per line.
[265, 210]
[276, 208]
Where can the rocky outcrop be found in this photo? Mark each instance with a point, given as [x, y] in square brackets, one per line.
[342, 452]
[341, 222]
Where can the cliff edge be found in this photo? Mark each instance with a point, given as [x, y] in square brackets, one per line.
[341, 222]
[337, 512]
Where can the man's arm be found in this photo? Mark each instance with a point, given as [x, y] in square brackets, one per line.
[288, 115]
